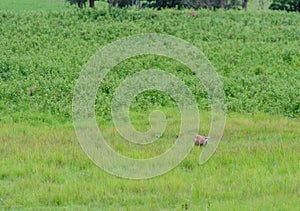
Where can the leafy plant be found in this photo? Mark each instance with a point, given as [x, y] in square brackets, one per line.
[255, 54]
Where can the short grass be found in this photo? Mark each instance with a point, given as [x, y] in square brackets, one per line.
[256, 166]
[259, 4]
[30, 5]
[40, 5]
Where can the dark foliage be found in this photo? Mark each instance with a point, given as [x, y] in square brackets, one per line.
[160, 4]
[288, 5]
[193, 4]
[82, 3]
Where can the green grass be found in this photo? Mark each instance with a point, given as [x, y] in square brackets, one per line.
[256, 166]
[40, 5]
[256, 5]
[33, 5]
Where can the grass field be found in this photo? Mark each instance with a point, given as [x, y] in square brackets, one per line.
[32, 5]
[40, 5]
[42, 166]
[255, 167]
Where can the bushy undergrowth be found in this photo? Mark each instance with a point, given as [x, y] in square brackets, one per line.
[256, 54]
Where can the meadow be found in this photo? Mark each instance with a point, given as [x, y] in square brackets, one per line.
[33, 5]
[255, 167]
[42, 166]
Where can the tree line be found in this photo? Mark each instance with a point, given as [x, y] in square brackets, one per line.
[82, 3]
[160, 4]
[288, 5]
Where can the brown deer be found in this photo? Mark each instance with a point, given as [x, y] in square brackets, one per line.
[200, 140]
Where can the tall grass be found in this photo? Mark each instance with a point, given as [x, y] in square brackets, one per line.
[255, 167]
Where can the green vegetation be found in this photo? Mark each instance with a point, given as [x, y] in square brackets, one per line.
[256, 54]
[255, 167]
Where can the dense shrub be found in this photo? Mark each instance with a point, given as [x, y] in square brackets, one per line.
[256, 54]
